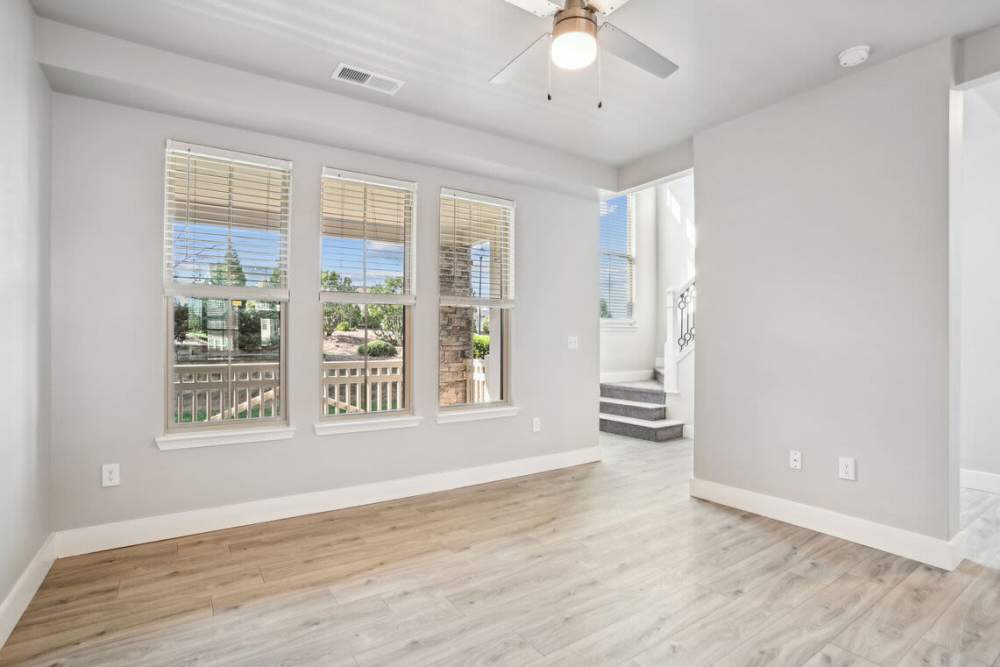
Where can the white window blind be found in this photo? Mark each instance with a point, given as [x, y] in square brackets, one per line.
[476, 255]
[617, 270]
[367, 236]
[225, 222]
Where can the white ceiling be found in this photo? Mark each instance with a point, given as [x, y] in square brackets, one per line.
[734, 56]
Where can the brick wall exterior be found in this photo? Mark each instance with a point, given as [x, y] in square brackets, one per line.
[456, 325]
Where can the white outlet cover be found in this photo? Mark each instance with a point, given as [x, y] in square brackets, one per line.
[846, 468]
[573, 342]
[795, 459]
[536, 424]
[110, 474]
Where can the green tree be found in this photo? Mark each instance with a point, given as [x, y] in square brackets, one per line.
[274, 280]
[335, 313]
[181, 324]
[248, 335]
[605, 311]
[385, 319]
[230, 271]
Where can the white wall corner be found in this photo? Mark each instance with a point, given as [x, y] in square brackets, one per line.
[646, 170]
[150, 529]
[627, 376]
[981, 481]
[25, 588]
[945, 554]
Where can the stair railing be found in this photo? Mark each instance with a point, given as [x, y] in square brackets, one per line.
[681, 307]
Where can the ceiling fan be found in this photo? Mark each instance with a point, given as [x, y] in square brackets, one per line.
[577, 39]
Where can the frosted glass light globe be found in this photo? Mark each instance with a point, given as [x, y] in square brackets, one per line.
[574, 50]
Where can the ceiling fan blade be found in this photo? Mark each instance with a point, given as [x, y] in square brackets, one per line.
[538, 7]
[605, 7]
[625, 46]
[515, 65]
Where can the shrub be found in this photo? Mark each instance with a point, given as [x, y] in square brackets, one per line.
[377, 349]
[344, 326]
[181, 324]
[480, 346]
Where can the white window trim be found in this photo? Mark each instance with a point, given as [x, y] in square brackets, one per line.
[213, 434]
[332, 426]
[457, 415]
[221, 437]
[626, 322]
[468, 412]
[624, 325]
[389, 419]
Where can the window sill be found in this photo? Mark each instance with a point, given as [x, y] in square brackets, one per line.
[333, 427]
[477, 414]
[220, 437]
[619, 325]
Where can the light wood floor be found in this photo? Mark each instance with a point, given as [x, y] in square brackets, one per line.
[605, 564]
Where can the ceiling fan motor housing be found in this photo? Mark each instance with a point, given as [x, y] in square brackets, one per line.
[575, 17]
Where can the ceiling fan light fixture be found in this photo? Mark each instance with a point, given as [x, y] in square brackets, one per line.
[574, 42]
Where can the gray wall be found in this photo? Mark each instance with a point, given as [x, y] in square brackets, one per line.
[979, 220]
[24, 268]
[823, 316]
[109, 330]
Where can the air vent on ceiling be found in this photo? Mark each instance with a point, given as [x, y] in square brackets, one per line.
[365, 79]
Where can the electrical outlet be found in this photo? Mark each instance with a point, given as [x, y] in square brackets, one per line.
[110, 474]
[795, 459]
[536, 424]
[846, 468]
[573, 342]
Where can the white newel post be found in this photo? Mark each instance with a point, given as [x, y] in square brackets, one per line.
[670, 344]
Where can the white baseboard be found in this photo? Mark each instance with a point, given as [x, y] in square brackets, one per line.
[940, 553]
[24, 589]
[626, 376]
[165, 526]
[982, 481]
[688, 431]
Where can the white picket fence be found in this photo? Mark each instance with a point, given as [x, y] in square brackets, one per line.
[222, 392]
[345, 389]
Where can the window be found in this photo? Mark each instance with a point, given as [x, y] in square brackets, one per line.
[226, 280]
[617, 273]
[477, 297]
[366, 286]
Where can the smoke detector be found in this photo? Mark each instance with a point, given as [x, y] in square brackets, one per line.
[366, 79]
[854, 56]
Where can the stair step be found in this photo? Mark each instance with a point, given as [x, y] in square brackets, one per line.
[635, 409]
[660, 430]
[646, 391]
[658, 374]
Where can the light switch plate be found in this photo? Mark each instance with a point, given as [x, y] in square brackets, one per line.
[573, 342]
[111, 474]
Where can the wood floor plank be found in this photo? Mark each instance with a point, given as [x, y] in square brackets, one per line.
[886, 631]
[970, 627]
[928, 654]
[602, 564]
[794, 638]
[834, 656]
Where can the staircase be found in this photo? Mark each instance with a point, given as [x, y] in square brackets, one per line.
[638, 410]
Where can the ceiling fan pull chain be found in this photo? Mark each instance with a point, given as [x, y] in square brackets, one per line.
[548, 85]
[600, 97]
